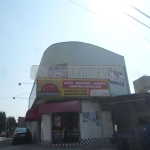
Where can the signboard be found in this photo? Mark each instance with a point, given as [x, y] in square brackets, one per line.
[72, 87]
[116, 77]
[78, 72]
[57, 121]
[88, 117]
[58, 71]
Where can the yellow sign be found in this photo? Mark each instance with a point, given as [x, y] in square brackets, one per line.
[72, 87]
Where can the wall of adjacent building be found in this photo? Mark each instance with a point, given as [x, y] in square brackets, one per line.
[89, 129]
[32, 126]
[46, 128]
[107, 125]
[83, 54]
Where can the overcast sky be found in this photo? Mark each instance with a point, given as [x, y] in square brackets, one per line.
[28, 27]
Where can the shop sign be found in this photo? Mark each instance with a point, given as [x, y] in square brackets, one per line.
[72, 87]
[116, 77]
[78, 72]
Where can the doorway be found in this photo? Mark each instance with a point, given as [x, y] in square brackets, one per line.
[65, 127]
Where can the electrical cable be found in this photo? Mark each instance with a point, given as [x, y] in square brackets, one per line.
[136, 20]
[13, 96]
[110, 21]
[140, 11]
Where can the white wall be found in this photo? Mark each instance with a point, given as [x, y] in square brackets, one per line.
[28, 125]
[32, 126]
[34, 130]
[89, 129]
[107, 123]
[46, 127]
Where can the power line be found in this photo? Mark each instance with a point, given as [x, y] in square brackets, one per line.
[140, 11]
[87, 9]
[110, 21]
[136, 20]
[13, 96]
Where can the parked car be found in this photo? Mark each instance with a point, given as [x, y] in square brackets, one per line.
[3, 134]
[22, 135]
[138, 138]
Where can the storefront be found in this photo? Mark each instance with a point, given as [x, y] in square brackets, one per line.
[68, 90]
[65, 124]
[71, 112]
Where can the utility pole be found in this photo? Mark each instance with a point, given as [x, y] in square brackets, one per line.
[8, 126]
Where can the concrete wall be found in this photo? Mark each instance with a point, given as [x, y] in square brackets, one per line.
[143, 82]
[107, 125]
[83, 54]
[89, 129]
[21, 122]
[46, 127]
[32, 126]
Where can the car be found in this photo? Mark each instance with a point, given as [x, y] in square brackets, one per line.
[137, 138]
[22, 135]
[3, 134]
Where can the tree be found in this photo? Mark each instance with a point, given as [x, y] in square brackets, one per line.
[144, 90]
[11, 124]
[2, 121]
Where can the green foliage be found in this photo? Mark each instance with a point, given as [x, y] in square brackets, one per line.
[11, 123]
[143, 90]
[2, 121]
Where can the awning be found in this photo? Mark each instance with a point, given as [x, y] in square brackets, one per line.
[32, 114]
[55, 107]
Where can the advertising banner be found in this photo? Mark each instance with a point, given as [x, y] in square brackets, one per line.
[88, 117]
[72, 72]
[72, 87]
[57, 121]
[116, 77]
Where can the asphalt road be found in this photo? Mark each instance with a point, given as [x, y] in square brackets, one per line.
[6, 144]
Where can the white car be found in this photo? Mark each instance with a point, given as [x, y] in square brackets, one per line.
[3, 134]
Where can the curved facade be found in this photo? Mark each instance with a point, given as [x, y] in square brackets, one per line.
[87, 62]
[83, 54]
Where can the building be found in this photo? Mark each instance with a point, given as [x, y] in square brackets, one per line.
[21, 122]
[66, 104]
[142, 84]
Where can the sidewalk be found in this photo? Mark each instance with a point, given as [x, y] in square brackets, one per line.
[83, 147]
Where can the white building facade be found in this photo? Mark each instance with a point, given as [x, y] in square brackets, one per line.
[77, 119]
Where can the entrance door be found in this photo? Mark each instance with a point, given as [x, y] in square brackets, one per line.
[66, 127]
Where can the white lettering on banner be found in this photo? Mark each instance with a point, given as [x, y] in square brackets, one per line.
[91, 86]
[99, 83]
[75, 86]
[73, 71]
[65, 82]
[83, 82]
[88, 73]
[78, 72]
[99, 93]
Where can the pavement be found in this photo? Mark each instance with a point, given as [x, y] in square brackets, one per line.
[6, 144]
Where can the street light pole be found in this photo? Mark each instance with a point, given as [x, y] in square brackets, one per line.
[19, 98]
[24, 83]
[8, 125]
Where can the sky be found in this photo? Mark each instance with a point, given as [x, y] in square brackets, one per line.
[28, 27]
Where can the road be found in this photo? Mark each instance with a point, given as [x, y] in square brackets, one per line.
[6, 144]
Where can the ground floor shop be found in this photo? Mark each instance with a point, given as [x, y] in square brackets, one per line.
[128, 111]
[89, 121]
[82, 124]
